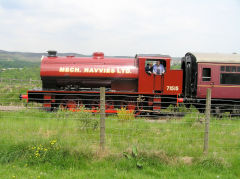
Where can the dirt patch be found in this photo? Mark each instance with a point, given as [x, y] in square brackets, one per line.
[11, 108]
[187, 160]
[157, 121]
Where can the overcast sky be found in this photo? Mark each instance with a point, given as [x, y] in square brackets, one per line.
[120, 27]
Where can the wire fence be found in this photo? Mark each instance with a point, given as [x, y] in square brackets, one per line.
[109, 123]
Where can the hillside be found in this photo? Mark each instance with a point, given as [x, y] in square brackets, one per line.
[28, 56]
[30, 59]
[24, 59]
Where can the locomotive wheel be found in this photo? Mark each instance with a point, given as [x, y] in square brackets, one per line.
[109, 104]
[131, 105]
[71, 103]
[95, 104]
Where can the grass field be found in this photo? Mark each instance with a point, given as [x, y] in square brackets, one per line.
[38, 144]
[17, 81]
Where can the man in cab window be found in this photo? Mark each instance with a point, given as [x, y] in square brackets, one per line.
[158, 68]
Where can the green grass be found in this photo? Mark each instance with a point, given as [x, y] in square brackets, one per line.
[22, 74]
[76, 152]
[27, 149]
[9, 93]
[113, 168]
[17, 64]
[16, 82]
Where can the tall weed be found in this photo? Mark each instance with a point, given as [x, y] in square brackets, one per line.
[125, 115]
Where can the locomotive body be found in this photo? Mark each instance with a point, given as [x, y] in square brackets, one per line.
[66, 81]
[76, 73]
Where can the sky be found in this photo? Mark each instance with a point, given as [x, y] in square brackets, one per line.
[120, 27]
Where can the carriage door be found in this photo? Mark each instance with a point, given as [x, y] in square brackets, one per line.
[207, 80]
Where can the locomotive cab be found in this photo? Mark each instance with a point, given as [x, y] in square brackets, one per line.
[149, 82]
[167, 83]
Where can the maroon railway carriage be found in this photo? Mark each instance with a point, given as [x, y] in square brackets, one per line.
[220, 72]
[73, 81]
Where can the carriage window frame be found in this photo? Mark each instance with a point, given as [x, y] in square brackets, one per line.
[233, 69]
[228, 68]
[238, 69]
[222, 68]
[206, 74]
[230, 76]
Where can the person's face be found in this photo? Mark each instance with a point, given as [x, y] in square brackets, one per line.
[158, 63]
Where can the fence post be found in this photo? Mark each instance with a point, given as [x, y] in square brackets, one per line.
[207, 120]
[102, 118]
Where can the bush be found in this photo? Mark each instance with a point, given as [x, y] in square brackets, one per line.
[125, 115]
[87, 120]
[42, 152]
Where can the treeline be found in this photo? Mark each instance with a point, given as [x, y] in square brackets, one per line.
[18, 64]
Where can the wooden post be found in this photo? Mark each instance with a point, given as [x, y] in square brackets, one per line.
[102, 118]
[207, 120]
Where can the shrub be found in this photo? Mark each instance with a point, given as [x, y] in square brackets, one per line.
[87, 120]
[125, 115]
[42, 152]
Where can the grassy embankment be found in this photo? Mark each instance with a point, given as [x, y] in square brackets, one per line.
[64, 144]
[37, 144]
[17, 81]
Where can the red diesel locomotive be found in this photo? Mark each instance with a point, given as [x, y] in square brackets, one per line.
[71, 81]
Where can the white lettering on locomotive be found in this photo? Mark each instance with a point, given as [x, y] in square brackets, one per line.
[172, 88]
[95, 70]
[67, 69]
[61, 69]
[72, 69]
[77, 70]
[86, 70]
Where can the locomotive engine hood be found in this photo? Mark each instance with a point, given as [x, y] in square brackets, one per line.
[96, 66]
[88, 72]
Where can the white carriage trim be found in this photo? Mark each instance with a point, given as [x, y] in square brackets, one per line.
[217, 58]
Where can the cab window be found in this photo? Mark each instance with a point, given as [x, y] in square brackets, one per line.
[150, 63]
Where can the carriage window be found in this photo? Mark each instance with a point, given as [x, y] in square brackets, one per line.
[222, 68]
[230, 78]
[228, 68]
[233, 69]
[238, 69]
[206, 74]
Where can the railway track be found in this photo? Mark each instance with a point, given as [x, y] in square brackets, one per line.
[11, 108]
